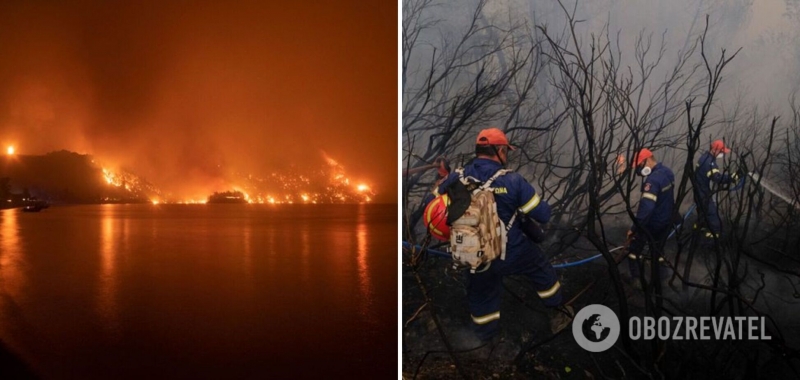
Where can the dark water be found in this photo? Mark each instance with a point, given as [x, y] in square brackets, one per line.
[201, 291]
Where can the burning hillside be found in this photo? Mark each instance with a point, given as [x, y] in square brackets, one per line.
[328, 183]
[70, 177]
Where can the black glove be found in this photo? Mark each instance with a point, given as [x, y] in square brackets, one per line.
[531, 229]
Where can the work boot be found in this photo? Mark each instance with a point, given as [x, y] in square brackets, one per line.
[560, 317]
[484, 350]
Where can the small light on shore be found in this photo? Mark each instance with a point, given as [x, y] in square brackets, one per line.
[10, 150]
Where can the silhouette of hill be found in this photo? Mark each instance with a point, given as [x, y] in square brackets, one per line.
[69, 177]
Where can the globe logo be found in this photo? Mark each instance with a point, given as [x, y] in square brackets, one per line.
[596, 328]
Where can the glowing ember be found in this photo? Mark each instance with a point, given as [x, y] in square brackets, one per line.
[111, 178]
[125, 187]
[328, 183]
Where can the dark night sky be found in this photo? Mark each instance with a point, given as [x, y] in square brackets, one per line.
[174, 90]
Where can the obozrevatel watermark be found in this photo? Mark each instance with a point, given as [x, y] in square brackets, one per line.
[596, 328]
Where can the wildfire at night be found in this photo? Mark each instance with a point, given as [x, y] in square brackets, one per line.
[170, 151]
[327, 183]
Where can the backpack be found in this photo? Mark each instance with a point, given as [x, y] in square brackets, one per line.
[477, 235]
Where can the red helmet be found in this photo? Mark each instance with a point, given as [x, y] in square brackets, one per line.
[435, 217]
[640, 157]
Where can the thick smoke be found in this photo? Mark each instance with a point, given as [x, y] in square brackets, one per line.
[186, 92]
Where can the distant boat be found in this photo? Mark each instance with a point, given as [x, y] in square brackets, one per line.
[35, 205]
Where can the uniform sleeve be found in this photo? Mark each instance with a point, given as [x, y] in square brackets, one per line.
[531, 202]
[437, 190]
[442, 188]
[715, 175]
[650, 191]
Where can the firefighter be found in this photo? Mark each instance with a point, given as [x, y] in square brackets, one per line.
[654, 217]
[705, 173]
[513, 195]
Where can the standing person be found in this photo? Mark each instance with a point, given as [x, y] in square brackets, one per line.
[706, 173]
[515, 197]
[655, 213]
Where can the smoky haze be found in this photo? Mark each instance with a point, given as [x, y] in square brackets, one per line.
[764, 73]
[760, 83]
[185, 92]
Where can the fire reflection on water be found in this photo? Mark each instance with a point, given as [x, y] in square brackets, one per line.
[12, 277]
[248, 253]
[306, 251]
[85, 287]
[364, 280]
[110, 240]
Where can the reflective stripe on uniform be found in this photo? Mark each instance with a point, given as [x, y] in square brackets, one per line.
[711, 235]
[486, 318]
[550, 292]
[665, 188]
[649, 196]
[531, 204]
[633, 256]
[711, 172]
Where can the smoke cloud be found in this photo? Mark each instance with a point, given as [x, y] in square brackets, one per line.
[185, 92]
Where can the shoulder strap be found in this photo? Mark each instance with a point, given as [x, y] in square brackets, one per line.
[466, 180]
[486, 186]
[496, 175]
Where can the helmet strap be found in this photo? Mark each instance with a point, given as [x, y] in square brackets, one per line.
[497, 154]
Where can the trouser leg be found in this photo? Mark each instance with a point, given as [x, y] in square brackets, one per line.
[635, 259]
[543, 276]
[714, 223]
[484, 294]
[657, 254]
[635, 254]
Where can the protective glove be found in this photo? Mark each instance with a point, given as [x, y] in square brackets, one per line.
[442, 166]
[531, 229]
[628, 237]
[442, 169]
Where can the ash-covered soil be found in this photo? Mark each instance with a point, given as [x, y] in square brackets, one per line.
[526, 348]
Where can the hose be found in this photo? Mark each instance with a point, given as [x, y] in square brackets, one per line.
[444, 254]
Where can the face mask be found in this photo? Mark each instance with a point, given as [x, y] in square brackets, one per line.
[645, 171]
[720, 155]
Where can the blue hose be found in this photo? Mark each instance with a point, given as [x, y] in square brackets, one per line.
[407, 245]
[738, 186]
[582, 261]
[691, 210]
[576, 263]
